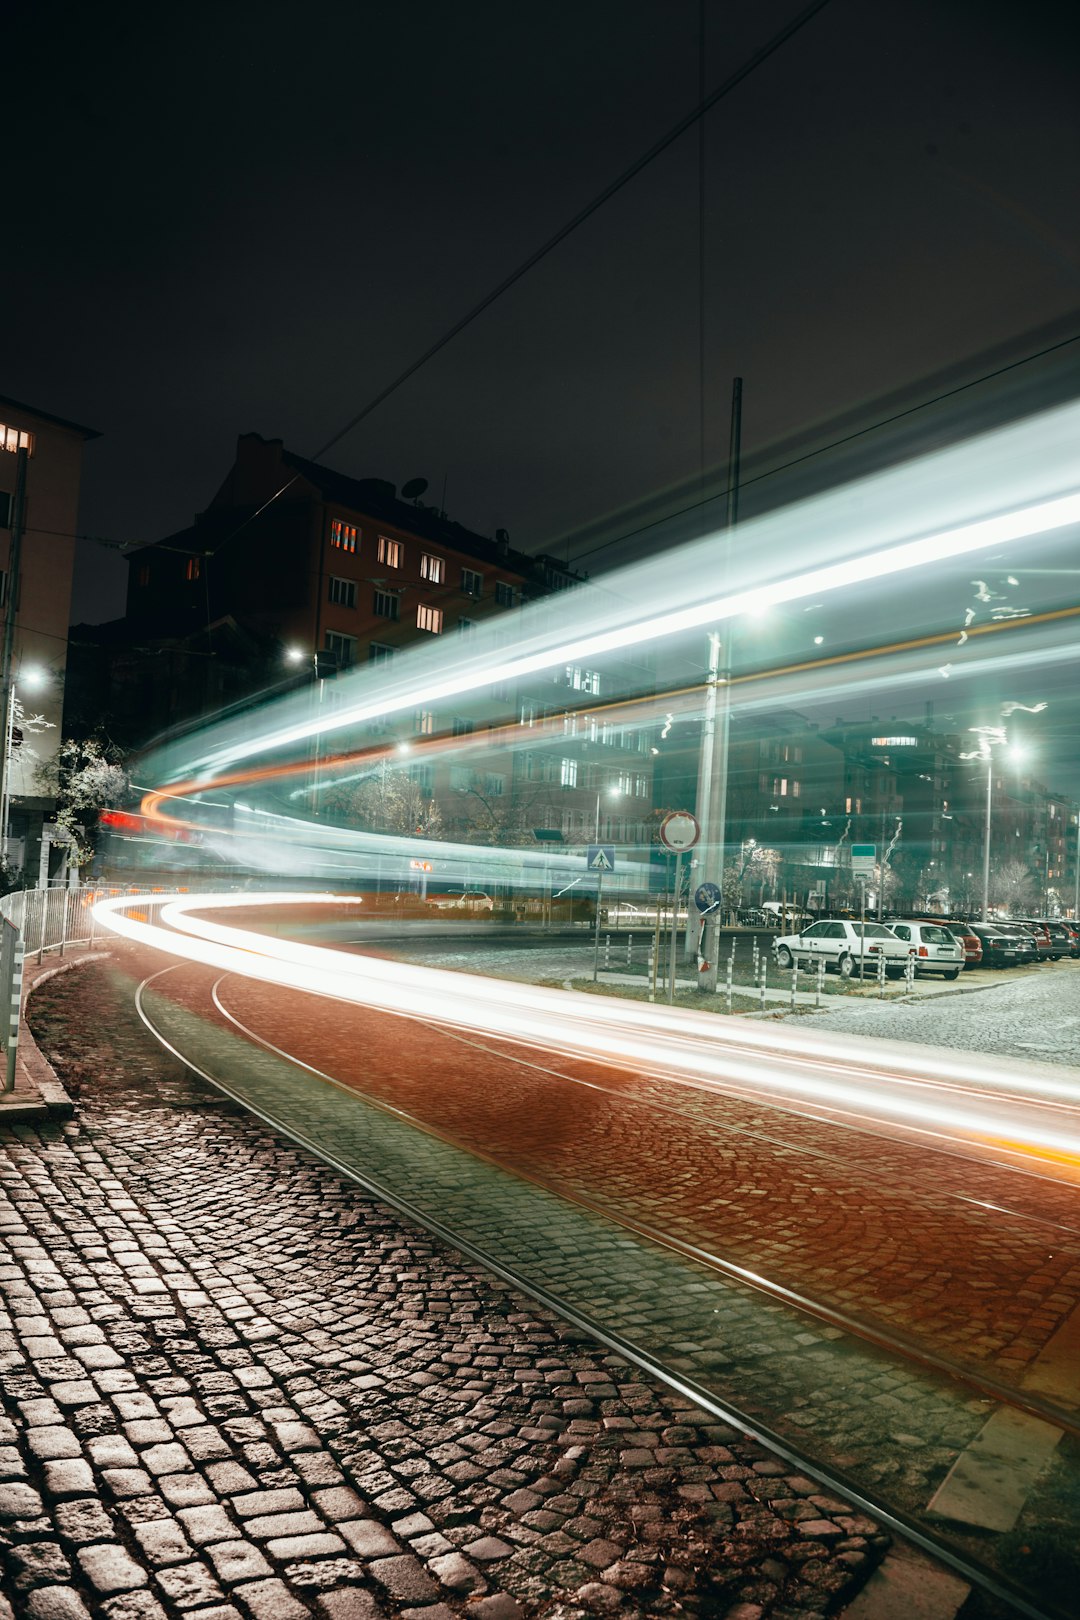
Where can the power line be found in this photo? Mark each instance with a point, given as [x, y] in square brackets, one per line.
[687, 122]
[835, 444]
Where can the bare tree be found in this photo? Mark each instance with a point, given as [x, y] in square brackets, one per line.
[1013, 884]
[387, 801]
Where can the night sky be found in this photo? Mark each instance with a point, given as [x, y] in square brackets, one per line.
[251, 217]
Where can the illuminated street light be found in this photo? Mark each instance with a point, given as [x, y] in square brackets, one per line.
[1018, 754]
[614, 792]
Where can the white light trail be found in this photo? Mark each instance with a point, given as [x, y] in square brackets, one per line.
[1014, 483]
[1012, 1108]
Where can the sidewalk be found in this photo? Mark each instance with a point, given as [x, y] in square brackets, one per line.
[38, 1093]
[237, 1388]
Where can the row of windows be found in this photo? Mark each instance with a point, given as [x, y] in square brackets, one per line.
[781, 787]
[13, 439]
[391, 554]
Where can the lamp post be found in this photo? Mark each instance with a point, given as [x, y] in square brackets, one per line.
[1017, 755]
[29, 677]
[298, 655]
[614, 792]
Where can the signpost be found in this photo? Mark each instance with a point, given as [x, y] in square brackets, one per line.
[599, 858]
[679, 831]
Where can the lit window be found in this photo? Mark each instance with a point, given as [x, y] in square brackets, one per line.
[193, 568]
[583, 680]
[424, 722]
[387, 605]
[378, 654]
[345, 536]
[391, 552]
[432, 568]
[472, 583]
[429, 618]
[16, 439]
[504, 593]
[342, 647]
[796, 790]
[343, 592]
[568, 773]
[779, 787]
[528, 714]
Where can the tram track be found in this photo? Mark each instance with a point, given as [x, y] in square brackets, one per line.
[872, 1501]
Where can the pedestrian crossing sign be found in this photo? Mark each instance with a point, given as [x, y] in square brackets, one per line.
[600, 858]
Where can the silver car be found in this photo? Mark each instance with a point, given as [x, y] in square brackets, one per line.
[933, 948]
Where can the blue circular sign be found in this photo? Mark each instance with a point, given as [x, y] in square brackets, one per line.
[707, 896]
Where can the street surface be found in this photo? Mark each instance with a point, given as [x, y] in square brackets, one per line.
[237, 1388]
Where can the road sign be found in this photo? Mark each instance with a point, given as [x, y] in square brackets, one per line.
[863, 859]
[600, 858]
[679, 831]
[707, 896]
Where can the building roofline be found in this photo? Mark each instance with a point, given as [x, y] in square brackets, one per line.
[47, 416]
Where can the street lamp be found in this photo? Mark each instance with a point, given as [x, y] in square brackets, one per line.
[1017, 754]
[613, 792]
[29, 678]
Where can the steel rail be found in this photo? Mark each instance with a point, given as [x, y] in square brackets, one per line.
[895, 1519]
[857, 1327]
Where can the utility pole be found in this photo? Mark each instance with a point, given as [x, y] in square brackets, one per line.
[711, 805]
[7, 683]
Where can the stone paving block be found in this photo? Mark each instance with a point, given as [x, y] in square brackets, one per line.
[83, 1520]
[252, 1503]
[286, 1548]
[188, 1586]
[184, 1490]
[109, 1568]
[352, 1603]
[166, 1459]
[55, 1603]
[229, 1478]
[368, 1538]
[163, 1541]
[238, 1561]
[35, 1563]
[206, 1524]
[499, 1606]
[283, 1524]
[271, 1600]
[111, 1451]
[133, 1606]
[405, 1578]
[338, 1502]
[53, 1442]
[69, 1477]
[127, 1481]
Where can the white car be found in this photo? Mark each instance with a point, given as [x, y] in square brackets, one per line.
[934, 948]
[841, 945]
[471, 900]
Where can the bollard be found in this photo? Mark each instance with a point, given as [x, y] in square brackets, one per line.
[881, 976]
[764, 980]
[629, 950]
[909, 972]
[607, 951]
[794, 980]
[820, 980]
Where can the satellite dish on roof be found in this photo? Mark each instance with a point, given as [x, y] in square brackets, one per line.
[413, 490]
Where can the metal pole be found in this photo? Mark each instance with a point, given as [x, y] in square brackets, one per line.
[674, 927]
[11, 608]
[1076, 896]
[986, 839]
[596, 938]
[862, 929]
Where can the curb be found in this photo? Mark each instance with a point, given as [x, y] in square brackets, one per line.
[41, 1095]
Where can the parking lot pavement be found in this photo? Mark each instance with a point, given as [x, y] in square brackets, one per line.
[237, 1388]
[1031, 1012]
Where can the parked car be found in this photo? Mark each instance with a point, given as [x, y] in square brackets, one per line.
[1041, 935]
[470, 900]
[779, 916]
[1033, 948]
[840, 944]
[1054, 937]
[1065, 934]
[1000, 948]
[934, 948]
[973, 951]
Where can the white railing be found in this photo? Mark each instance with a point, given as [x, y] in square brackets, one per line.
[52, 919]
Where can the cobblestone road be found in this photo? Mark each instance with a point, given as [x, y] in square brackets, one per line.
[237, 1389]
